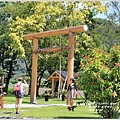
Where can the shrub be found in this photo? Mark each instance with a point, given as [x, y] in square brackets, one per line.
[99, 77]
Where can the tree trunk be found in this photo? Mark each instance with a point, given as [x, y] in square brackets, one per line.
[39, 77]
[9, 76]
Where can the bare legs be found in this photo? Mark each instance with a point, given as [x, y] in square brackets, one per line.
[71, 101]
[18, 104]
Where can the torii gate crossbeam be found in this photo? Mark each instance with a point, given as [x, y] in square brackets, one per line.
[70, 31]
[80, 28]
[54, 49]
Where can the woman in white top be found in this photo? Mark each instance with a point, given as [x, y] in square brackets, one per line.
[72, 91]
[19, 96]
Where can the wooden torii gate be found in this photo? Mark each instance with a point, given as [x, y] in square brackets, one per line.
[70, 31]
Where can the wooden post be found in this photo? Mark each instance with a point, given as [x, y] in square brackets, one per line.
[70, 60]
[52, 86]
[2, 101]
[34, 71]
[61, 83]
[1, 94]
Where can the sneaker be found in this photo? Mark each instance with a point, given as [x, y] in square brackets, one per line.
[17, 113]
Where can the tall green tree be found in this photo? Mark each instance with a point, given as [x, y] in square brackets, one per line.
[8, 59]
[105, 34]
[31, 17]
[113, 11]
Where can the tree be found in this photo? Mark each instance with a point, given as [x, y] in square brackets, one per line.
[8, 53]
[105, 33]
[7, 62]
[113, 11]
[31, 17]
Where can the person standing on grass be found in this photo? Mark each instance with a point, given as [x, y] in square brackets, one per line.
[72, 91]
[19, 95]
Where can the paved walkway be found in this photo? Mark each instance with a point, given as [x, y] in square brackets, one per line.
[32, 105]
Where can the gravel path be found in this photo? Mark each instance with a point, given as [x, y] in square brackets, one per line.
[32, 105]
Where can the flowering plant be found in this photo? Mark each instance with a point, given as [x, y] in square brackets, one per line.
[99, 75]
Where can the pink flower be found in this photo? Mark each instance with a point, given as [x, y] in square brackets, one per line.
[113, 94]
[102, 89]
[85, 57]
[97, 72]
[112, 46]
[101, 66]
[99, 51]
[112, 62]
[90, 62]
[117, 64]
[109, 87]
[91, 83]
[80, 66]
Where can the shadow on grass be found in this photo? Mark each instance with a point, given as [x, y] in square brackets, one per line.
[66, 117]
[56, 100]
[79, 117]
[26, 102]
[8, 112]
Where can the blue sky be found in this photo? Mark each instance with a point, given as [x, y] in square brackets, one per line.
[101, 16]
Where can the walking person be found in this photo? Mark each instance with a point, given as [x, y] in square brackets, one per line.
[72, 91]
[19, 93]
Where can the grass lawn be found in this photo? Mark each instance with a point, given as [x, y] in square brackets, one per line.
[55, 112]
[58, 112]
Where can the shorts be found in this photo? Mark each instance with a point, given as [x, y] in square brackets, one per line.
[19, 95]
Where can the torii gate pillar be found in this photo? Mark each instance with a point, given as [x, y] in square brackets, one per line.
[70, 60]
[34, 70]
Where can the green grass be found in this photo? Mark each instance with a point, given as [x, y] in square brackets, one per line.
[59, 112]
[10, 99]
[56, 112]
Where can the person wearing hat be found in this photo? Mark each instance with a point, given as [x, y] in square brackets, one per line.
[72, 88]
[19, 96]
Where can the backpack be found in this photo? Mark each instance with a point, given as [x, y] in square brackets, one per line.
[17, 90]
